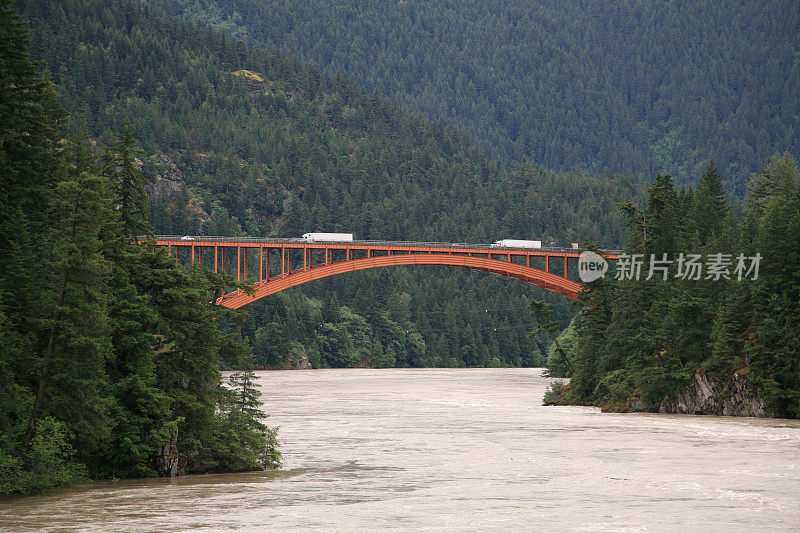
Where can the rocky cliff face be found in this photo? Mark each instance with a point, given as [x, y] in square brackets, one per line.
[707, 395]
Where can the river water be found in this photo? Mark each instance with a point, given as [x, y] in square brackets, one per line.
[469, 449]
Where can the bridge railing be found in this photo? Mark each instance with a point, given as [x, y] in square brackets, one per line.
[399, 244]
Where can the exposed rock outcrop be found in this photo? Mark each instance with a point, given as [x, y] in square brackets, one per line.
[258, 85]
[168, 182]
[706, 395]
[296, 359]
[168, 455]
[169, 170]
[299, 361]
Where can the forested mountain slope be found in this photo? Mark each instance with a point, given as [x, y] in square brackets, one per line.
[239, 140]
[633, 86]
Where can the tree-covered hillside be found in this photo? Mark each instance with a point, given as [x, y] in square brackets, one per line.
[633, 86]
[239, 140]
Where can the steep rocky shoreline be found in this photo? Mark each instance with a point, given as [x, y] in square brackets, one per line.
[707, 395]
[734, 395]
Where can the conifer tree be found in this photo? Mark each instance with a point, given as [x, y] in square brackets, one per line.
[242, 382]
[545, 324]
[141, 413]
[710, 206]
[30, 163]
[120, 166]
[77, 341]
[774, 343]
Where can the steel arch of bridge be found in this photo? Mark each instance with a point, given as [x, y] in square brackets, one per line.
[359, 255]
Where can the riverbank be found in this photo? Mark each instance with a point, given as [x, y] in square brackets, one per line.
[735, 395]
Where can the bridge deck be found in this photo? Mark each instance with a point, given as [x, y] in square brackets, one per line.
[449, 247]
[321, 259]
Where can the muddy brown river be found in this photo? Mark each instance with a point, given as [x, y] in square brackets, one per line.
[469, 449]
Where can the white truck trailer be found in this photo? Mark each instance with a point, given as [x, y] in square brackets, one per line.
[517, 243]
[328, 237]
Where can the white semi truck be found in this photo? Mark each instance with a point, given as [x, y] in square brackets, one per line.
[328, 237]
[517, 243]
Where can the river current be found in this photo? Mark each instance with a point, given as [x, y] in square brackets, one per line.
[459, 449]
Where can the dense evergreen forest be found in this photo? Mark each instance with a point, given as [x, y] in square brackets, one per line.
[109, 355]
[241, 140]
[633, 86]
[713, 341]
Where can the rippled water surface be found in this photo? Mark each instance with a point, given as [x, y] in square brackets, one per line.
[463, 450]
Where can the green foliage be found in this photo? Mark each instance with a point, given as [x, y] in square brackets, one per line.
[108, 349]
[544, 317]
[119, 166]
[556, 365]
[557, 393]
[710, 206]
[639, 342]
[244, 442]
[639, 87]
[29, 166]
[77, 336]
[615, 391]
[545, 324]
[774, 343]
[48, 464]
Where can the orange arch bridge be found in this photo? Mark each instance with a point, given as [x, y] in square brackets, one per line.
[278, 264]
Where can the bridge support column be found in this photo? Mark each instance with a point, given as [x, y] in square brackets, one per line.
[238, 263]
[326, 256]
[200, 255]
[566, 272]
[305, 258]
[222, 266]
[192, 254]
[246, 272]
[547, 263]
[260, 264]
[528, 261]
[216, 261]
